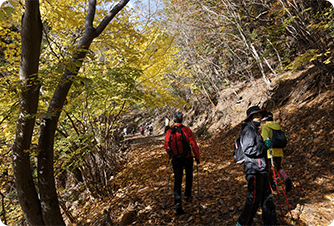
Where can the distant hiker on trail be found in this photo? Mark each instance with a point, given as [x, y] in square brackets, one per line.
[146, 128]
[142, 129]
[256, 171]
[167, 125]
[177, 141]
[267, 134]
[150, 128]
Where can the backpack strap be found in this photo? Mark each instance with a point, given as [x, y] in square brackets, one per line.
[179, 129]
[173, 131]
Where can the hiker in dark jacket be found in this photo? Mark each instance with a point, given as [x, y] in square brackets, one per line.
[256, 171]
[150, 128]
[181, 163]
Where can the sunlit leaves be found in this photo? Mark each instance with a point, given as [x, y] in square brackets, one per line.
[126, 65]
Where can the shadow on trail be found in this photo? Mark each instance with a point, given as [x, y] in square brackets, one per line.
[223, 187]
[306, 116]
[308, 122]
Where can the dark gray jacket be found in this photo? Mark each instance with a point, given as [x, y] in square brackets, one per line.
[254, 149]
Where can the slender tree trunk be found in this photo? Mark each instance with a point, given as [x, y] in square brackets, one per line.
[46, 181]
[31, 36]
[46, 209]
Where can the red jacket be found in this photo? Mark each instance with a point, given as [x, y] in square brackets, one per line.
[190, 139]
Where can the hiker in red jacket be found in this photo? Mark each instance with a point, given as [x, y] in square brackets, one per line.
[181, 162]
[142, 129]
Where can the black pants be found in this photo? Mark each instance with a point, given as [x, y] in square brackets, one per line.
[178, 165]
[258, 192]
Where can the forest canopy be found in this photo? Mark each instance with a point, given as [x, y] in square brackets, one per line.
[109, 67]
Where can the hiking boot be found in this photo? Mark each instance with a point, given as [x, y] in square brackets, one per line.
[288, 185]
[179, 210]
[187, 198]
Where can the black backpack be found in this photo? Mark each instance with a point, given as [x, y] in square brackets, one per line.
[238, 153]
[279, 139]
[177, 134]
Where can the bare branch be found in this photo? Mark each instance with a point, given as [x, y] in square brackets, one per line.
[110, 16]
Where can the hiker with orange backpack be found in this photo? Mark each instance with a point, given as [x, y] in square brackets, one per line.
[255, 166]
[179, 142]
[268, 129]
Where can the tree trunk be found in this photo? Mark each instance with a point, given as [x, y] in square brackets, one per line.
[46, 180]
[31, 36]
[46, 209]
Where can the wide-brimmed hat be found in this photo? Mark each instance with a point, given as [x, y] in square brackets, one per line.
[253, 110]
[269, 117]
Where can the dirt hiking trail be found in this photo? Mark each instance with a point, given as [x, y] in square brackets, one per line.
[140, 187]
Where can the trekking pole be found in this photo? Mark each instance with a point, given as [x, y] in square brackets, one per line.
[297, 179]
[286, 199]
[198, 190]
[170, 168]
[273, 168]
